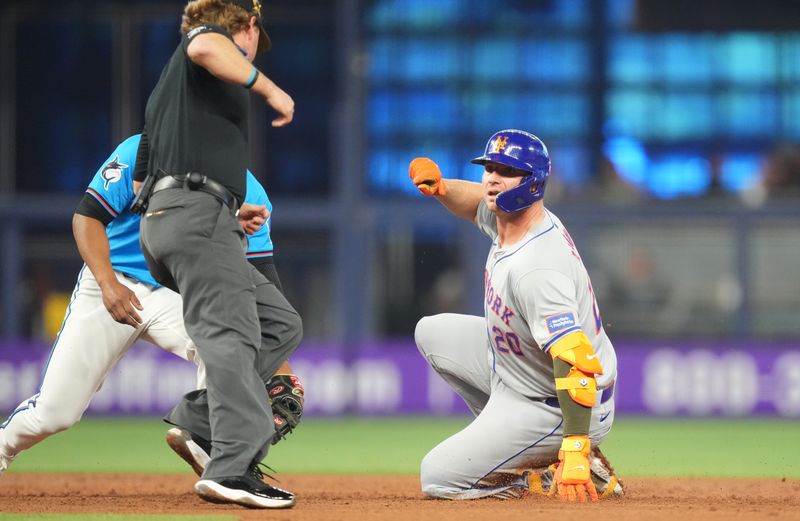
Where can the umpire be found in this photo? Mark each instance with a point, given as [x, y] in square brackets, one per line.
[195, 148]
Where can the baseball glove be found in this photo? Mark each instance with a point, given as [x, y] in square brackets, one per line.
[427, 177]
[573, 479]
[286, 397]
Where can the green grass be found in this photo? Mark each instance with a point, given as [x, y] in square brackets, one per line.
[693, 447]
[636, 447]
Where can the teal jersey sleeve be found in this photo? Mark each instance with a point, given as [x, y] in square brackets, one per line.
[112, 185]
[260, 243]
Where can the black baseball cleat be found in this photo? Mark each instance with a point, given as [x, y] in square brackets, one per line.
[247, 491]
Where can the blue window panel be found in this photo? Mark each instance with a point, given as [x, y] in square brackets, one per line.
[554, 61]
[789, 63]
[570, 164]
[418, 60]
[430, 59]
[430, 112]
[541, 114]
[683, 116]
[621, 13]
[570, 13]
[677, 175]
[382, 112]
[740, 171]
[790, 111]
[685, 58]
[383, 59]
[629, 158]
[492, 112]
[650, 115]
[630, 110]
[631, 60]
[525, 14]
[423, 111]
[558, 114]
[387, 171]
[386, 14]
[496, 59]
[311, 57]
[748, 58]
[748, 114]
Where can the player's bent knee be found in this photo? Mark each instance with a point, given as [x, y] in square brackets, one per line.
[434, 487]
[435, 479]
[288, 333]
[297, 328]
[424, 334]
[429, 478]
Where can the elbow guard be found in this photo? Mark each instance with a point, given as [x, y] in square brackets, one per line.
[580, 383]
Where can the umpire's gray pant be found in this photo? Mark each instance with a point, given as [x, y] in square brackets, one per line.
[242, 325]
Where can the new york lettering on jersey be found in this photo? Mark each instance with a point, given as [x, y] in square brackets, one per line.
[495, 301]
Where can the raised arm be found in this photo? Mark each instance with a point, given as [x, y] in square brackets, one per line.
[460, 197]
[217, 54]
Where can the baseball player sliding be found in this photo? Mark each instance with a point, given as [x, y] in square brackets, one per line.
[116, 302]
[537, 370]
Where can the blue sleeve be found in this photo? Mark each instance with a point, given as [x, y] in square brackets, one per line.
[260, 243]
[112, 185]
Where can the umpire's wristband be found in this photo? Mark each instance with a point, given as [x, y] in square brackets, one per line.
[252, 79]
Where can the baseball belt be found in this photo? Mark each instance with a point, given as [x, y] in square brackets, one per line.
[200, 182]
[606, 395]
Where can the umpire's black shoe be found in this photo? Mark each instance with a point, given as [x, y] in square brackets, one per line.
[246, 491]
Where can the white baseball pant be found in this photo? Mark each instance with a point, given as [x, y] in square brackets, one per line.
[510, 435]
[88, 346]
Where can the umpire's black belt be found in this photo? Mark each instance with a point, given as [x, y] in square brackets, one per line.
[197, 181]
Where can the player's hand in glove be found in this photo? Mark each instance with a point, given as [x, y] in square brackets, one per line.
[573, 479]
[427, 177]
[286, 397]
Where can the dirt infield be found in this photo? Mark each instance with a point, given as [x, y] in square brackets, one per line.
[355, 498]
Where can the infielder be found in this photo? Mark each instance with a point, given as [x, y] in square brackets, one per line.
[116, 302]
[537, 370]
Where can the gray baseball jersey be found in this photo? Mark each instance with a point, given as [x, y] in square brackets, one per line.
[536, 292]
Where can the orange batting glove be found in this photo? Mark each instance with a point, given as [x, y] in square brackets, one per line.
[573, 479]
[426, 176]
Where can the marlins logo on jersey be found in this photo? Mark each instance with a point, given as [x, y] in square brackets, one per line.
[112, 172]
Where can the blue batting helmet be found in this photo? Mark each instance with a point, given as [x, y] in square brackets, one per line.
[523, 151]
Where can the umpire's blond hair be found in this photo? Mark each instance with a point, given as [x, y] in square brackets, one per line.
[230, 17]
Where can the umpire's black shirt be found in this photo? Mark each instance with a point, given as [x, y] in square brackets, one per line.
[195, 122]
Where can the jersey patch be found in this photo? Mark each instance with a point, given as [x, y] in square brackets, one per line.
[560, 322]
[112, 172]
